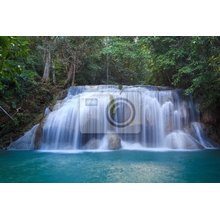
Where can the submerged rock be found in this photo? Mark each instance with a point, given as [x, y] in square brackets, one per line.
[114, 142]
[181, 140]
[91, 144]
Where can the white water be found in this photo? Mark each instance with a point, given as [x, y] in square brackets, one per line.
[26, 142]
[144, 118]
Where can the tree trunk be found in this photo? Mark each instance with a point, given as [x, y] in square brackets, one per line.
[46, 75]
[71, 73]
[107, 74]
[107, 61]
[6, 113]
[54, 73]
[170, 83]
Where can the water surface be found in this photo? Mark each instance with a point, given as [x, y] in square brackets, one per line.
[123, 166]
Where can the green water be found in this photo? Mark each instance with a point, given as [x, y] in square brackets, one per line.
[104, 167]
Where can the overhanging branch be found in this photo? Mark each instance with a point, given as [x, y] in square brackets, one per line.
[6, 113]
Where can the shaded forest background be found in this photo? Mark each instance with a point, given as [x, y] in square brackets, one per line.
[34, 70]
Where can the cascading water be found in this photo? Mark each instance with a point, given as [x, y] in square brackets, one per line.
[141, 116]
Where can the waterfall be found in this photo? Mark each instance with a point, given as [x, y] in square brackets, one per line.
[143, 116]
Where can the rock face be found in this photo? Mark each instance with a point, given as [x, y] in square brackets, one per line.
[38, 134]
[92, 144]
[209, 118]
[211, 125]
[114, 142]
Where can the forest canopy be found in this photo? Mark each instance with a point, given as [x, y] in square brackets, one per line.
[191, 63]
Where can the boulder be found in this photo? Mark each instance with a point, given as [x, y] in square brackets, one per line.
[114, 142]
[92, 144]
[63, 94]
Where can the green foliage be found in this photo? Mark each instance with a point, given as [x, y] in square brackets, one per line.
[192, 63]
[13, 51]
[124, 58]
[13, 104]
[127, 58]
